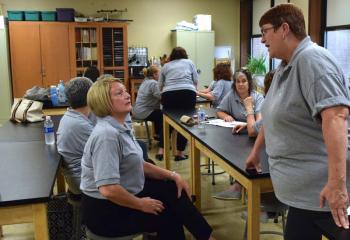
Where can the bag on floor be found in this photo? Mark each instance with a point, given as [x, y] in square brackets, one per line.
[60, 215]
[25, 110]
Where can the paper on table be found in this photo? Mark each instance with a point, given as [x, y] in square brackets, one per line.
[222, 123]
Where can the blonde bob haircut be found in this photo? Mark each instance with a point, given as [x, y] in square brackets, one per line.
[99, 98]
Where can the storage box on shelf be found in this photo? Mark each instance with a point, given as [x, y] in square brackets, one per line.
[48, 16]
[15, 15]
[65, 14]
[32, 15]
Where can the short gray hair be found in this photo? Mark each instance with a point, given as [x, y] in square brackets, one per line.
[76, 91]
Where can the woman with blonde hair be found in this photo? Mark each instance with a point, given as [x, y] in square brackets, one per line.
[122, 194]
[147, 105]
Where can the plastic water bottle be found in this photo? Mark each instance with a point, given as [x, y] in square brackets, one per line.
[61, 94]
[201, 117]
[53, 95]
[49, 131]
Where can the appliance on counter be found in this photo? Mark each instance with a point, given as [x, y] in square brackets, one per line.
[137, 60]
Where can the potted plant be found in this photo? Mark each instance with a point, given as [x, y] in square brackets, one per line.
[257, 67]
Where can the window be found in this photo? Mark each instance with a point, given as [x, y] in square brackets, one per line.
[337, 41]
[258, 49]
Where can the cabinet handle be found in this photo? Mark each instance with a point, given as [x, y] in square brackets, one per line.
[43, 73]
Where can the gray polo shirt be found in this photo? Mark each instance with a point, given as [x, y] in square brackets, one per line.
[73, 132]
[310, 82]
[178, 74]
[232, 105]
[148, 99]
[220, 89]
[111, 156]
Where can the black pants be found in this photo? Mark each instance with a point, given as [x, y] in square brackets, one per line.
[157, 118]
[108, 219]
[180, 99]
[301, 224]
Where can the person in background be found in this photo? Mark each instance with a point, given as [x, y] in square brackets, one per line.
[122, 194]
[178, 82]
[241, 104]
[147, 105]
[209, 88]
[74, 129]
[223, 79]
[92, 73]
[306, 115]
[232, 192]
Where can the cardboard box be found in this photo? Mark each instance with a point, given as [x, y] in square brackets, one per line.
[203, 22]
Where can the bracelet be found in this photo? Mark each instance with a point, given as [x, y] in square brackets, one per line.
[173, 173]
[249, 113]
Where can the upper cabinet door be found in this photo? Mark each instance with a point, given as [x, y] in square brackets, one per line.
[25, 56]
[55, 53]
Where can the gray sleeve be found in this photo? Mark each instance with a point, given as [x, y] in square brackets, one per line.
[161, 79]
[155, 90]
[194, 74]
[225, 104]
[106, 156]
[328, 91]
[258, 101]
[218, 89]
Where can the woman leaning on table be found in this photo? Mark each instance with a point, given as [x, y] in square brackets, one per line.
[242, 103]
[306, 114]
[122, 194]
[178, 83]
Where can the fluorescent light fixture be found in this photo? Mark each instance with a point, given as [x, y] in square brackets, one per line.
[2, 23]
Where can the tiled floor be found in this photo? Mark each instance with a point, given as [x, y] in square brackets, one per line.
[223, 216]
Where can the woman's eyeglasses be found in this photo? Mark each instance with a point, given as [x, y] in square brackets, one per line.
[265, 30]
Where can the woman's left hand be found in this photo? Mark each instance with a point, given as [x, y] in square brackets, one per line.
[181, 185]
[337, 197]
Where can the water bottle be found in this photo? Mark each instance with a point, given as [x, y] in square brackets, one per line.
[53, 95]
[201, 117]
[61, 94]
[49, 131]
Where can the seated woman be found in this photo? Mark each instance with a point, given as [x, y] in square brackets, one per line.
[74, 130]
[233, 192]
[147, 105]
[223, 83]
[122, 194]
[241, 104]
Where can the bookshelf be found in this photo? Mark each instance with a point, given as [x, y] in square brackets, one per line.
[103, 45]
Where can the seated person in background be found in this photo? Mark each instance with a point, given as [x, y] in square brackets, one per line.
[74, 129]
[233, 106]
[209, 88]
[232, 191]
[223, 79]
[122, 194]
[91, 73]
[147, 105]
[241, 104]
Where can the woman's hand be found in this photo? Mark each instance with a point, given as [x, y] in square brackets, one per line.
[253, 162]
[239, 127]
[248, 104]
[150, 205]
[336, 195]
[181, 185]
[228, 118]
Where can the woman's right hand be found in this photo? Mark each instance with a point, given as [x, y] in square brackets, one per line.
[253, 162]
[228, 118]
[150, 205]
[238, 128]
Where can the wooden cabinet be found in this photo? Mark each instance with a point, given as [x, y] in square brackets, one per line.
[199, 46]
[42, 53]
[103, 45]
[135, 84]
[39, 54]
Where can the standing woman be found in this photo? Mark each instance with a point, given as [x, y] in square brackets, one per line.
[222, 85]
[122, 194]
[305, 128]
[147, 105]
[177, 83]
